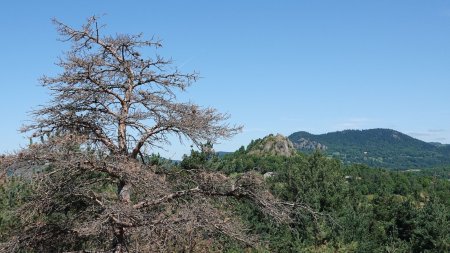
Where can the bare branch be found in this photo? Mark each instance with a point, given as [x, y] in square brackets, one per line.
[108, 87]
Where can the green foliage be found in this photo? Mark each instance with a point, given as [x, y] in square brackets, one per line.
[432, 233]
[439, 172]
[360, 209]
[13, 194]
[383, 148]
[356, 208]
[199, 160]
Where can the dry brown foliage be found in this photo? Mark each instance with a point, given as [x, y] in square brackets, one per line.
[76, 203]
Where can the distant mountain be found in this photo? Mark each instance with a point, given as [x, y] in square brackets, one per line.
[438, 144]
[385, 148]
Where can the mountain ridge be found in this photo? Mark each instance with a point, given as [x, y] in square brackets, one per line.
[379, 147]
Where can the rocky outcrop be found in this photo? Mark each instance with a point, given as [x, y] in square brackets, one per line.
[305, 144]
[273, 145]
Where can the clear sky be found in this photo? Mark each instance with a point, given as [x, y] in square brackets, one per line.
[275, 66]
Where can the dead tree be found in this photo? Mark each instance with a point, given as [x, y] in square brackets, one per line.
[113, 98]
[122, 100]
[75, 206]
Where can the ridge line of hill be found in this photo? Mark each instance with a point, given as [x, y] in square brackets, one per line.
[378, 147]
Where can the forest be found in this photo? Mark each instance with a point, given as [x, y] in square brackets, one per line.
[342, 208]
[357, 208]
[381, 148]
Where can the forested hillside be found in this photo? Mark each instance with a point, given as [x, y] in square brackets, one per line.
[356, 208]
[384, 148]
[337, 207]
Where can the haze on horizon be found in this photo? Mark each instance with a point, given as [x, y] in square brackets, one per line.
[284, 67]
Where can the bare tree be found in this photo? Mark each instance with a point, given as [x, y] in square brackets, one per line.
[112, 97]
[110, 92]
[121, 99]
[74, 206]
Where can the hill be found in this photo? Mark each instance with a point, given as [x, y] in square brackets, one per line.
[272, 145]
[384, 148]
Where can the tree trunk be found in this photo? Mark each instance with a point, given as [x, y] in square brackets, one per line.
[119, 244]
[122, 134]
[123, 191]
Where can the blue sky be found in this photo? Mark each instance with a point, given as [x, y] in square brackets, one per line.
[275, 66]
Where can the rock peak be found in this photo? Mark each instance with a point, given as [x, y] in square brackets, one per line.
[273, 145]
